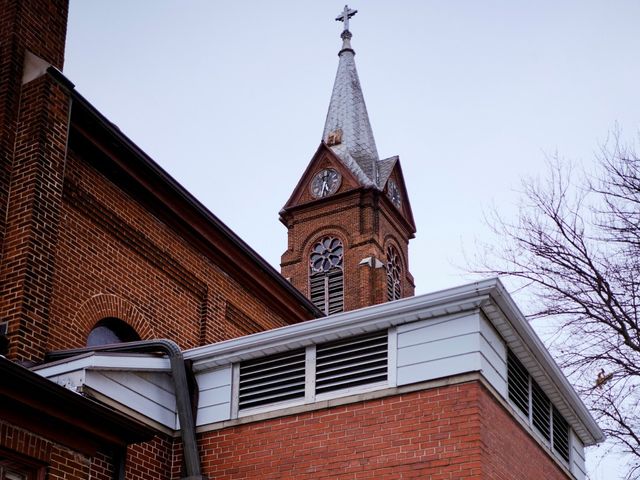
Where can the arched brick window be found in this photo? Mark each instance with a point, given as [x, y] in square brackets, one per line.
[111, 330]
[394, 274]
[326, 279]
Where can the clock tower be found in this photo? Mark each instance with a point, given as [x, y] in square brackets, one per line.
[349, 220]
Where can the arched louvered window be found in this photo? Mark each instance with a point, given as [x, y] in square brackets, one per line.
[326, 280]
[394, 274]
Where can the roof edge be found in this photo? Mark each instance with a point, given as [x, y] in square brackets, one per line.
[183, 193]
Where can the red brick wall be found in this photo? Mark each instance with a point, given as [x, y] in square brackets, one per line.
[443, 433]
[59, 461]
[27, 265]
[102, 467]
[39, 26]
[508, 451]
[366, 224]
[152, 461]
[114, 258]
[149, 461]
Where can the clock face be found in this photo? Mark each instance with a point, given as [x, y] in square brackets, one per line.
[325, 182]
[393, 192]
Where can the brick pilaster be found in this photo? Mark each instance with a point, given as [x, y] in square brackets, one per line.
[39, 26]
[33, 216]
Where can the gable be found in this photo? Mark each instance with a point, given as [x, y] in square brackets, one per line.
[323, 158]
[393, 171]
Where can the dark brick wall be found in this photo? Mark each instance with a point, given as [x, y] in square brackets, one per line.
[57, 461]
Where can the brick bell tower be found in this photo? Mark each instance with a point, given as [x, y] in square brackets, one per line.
[349, 220]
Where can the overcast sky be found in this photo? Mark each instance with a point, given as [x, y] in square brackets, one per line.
[231, 97]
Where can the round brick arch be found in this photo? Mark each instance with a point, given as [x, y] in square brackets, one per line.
[390, 240]
[104, 305]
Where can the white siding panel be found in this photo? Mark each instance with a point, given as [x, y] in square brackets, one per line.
[498, 362]
[431, 349]
[214, 378]
[213, 413]
[142, 402]
[493, 377]
[578, 467]
[494, 363]
[215, 395]
[161, 380]
[494, 340]
[138, 383]
[420, 372]
[439, 349]
[436, 329]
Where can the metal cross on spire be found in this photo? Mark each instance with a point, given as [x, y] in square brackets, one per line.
[346, 14]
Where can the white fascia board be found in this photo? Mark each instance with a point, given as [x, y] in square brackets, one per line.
[105, 361]
[532, 343]
[454, 300]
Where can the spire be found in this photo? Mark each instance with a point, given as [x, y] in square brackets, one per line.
[347, 130]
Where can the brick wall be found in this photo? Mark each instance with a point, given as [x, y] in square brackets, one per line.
[508, 451]
[59, 462]
[22, 27]
[148, 461]
[33, 214]
[454, 432]
[366, 225]
[115, 258]
[153, 460]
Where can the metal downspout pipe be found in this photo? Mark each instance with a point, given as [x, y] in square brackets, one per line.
[179, 374]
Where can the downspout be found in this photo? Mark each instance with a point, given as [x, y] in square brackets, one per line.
[179, 374]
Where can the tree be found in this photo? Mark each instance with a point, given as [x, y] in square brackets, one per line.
[576, 245]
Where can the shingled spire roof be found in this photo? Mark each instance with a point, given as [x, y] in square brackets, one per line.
[347, 130]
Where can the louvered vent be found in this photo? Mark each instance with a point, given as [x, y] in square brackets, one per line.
[541, 410]
[327, 291]
[518, 380]
[393, 289]
[560, 434]
[272, 379]
[354, 361]
[335, 290]
[317, 296]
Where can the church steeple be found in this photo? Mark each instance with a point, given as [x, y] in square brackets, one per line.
[349, 220]
[347, 129]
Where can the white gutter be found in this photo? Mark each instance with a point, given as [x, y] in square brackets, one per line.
[388, 314]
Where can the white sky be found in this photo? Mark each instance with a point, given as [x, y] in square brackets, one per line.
[230, 98]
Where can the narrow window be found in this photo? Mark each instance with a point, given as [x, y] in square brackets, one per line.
[394, 274]
[111, 330]
[326, 279]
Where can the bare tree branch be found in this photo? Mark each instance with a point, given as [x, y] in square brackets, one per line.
[576, 246]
